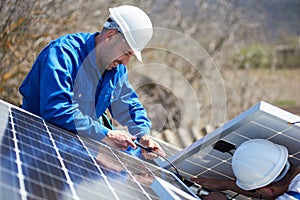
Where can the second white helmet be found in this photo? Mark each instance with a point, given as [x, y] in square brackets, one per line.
[257, 162]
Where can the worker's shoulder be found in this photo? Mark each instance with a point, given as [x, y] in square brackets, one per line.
[74, 39]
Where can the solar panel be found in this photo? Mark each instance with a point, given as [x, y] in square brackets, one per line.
[42, 161]
[206, 159]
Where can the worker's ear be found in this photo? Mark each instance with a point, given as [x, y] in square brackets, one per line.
[267, 192]
[110, 33]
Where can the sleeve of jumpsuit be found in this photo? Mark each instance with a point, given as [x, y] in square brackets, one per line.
[127, 109]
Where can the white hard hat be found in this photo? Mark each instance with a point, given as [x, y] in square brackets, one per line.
[136, 26]
[257, 163]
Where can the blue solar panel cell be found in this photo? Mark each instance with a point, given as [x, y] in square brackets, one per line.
[8, 163]
[8, 175]
[10, 193]
[10, 179]
[7, 153]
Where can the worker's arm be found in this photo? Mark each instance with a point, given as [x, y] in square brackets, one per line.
[222, 185]
[126, 108]
[57, 104]
[128, 111]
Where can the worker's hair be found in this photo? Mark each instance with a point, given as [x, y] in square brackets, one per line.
[108, 20]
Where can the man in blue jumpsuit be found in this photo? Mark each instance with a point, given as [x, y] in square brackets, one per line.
[78, 76]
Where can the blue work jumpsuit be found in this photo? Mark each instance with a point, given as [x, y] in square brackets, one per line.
[66, 88]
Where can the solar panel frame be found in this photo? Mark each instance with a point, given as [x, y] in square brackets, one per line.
[262, 120]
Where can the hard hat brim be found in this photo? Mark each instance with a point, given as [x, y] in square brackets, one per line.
[138, 55]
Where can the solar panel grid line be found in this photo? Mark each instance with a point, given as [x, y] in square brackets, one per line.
[18, 160]
[260, 121]
[34, 189]
[285, 135]
[275, 133]
[43, 149]
[69, 181]
[27, 121]
[8, 181]
[83, 170]
[42, 191]
[227, 128]
[138, 190]
[189, 161]
[43, 152]
[282, 132]
[285, 130]
[105, 176]
[79, 164]
[145, 169]
[201, 159]
[129, 172]
[263, 126]
[211, 169]
[34, 148]
[11, 192]
[94, 161]
[170, 177]
[208, 171]
[44, 186]
[40, 171]
[279, 137]
[99, 169]
[87, 169]
[66, 137]
[8, 178]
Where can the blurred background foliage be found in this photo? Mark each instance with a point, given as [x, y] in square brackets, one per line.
[255, 45]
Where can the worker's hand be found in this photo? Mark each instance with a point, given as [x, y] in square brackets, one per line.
[215, 196]
[119, 139]
[210, 183]
[146, 141]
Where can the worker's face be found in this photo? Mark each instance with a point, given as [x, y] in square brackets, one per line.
[116, 51]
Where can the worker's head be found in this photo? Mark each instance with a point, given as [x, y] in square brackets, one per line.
[133, 24]
[257, 163]
[112, 49]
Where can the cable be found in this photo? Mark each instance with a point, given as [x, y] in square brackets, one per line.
[150, 150]
[185, 181]
[291, 123]
[230, 198]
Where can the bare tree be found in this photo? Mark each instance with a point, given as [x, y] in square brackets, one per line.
[198, 32]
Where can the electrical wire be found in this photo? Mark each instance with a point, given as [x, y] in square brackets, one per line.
[185, 181]
[234, 196]
[292, 123]
[150, 150]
